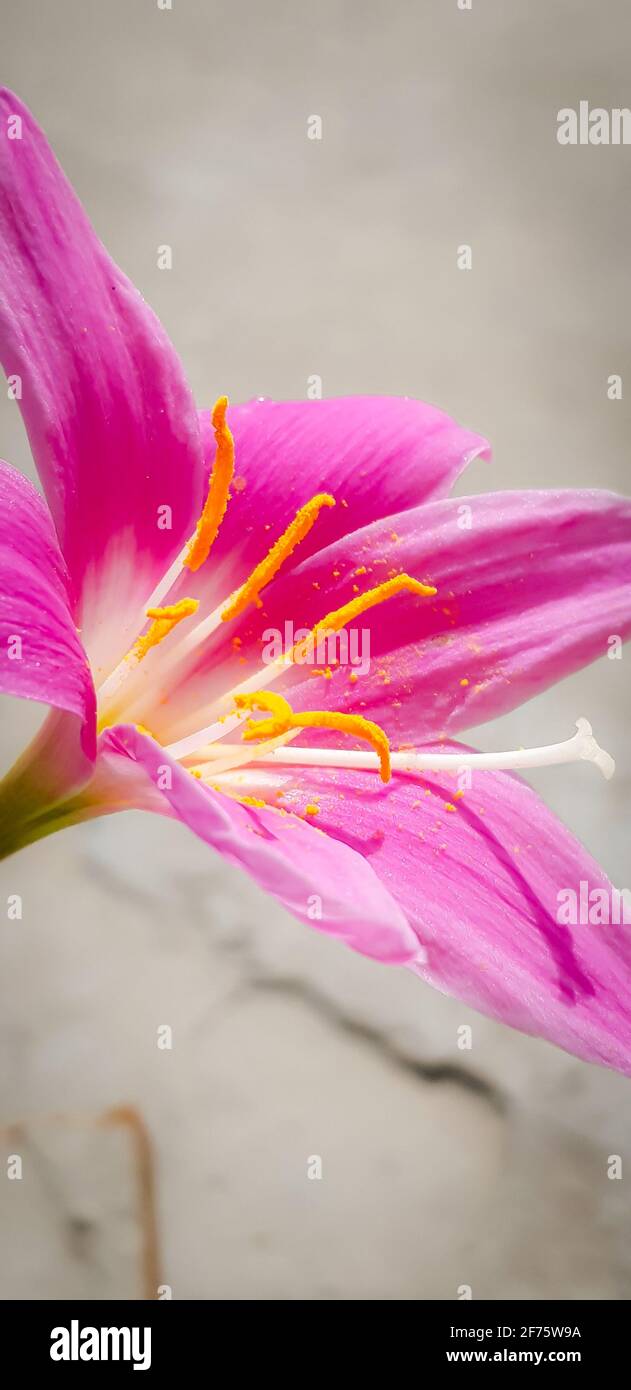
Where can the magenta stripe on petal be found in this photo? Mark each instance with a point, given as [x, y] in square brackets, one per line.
[487, 879]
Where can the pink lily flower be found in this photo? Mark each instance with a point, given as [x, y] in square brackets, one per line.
[138, 599]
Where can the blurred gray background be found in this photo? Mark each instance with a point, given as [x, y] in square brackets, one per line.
[441, 1168]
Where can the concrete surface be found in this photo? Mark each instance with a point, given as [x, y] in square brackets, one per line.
[77, 1210]
[440, 1169]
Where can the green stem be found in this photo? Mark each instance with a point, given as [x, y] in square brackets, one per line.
[19, 827]
[40, 795]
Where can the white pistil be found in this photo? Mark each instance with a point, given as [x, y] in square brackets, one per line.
[582, 747]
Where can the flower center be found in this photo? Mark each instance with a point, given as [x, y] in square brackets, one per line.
[210, 754]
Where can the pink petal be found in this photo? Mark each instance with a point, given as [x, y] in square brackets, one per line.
[110, 418]
[41, 657]
[529, 593]
[480, 886]
[304, 869]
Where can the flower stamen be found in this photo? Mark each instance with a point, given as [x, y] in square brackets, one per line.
[341, 617]
[283, 720]
[263, 573]
[214, 508]
[333, 622]
[268, 568]
[164, 620]
[265, 675]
